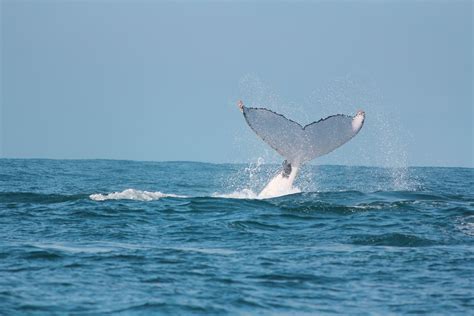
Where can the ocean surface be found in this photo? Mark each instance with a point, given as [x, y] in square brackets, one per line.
[106, 236]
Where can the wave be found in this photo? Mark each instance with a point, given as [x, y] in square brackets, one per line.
[131, 194]
[28, 197]
[392, 240]
[239, 194]
[371, 199]
[139, 195]
[377, 199]
[466, 224]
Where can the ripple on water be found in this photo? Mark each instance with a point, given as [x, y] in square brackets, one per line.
[344, 249]
[392, 240]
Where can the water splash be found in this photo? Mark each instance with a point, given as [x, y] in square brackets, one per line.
[254, 168]
[259, 177]
[250, 178]
[383, 141]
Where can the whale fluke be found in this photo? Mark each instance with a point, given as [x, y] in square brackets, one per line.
[299, 144]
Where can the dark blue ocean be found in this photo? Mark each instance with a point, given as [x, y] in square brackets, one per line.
[105, 236]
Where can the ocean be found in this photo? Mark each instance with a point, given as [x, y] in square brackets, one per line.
[127, 237]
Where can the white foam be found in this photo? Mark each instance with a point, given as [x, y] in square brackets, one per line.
[131, 194]
[278, 186]
[73, 249]
[250, 195]
[209, 251]
[241, 194]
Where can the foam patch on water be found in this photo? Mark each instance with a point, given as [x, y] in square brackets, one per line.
[208, 251]
[72, 248]
[240, 194]
[138, 195]
[131, 194]
[250, 195]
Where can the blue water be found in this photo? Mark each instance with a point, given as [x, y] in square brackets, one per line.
[356, 240]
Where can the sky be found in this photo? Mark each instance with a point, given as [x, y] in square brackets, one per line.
[156, 80]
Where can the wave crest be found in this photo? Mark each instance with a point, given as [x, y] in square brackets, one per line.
[131, 194]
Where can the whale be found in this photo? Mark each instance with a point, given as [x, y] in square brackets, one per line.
[296, 143]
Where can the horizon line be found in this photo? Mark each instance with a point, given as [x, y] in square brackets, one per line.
[222, 163]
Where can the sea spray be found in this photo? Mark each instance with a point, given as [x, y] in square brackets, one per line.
[383, 142]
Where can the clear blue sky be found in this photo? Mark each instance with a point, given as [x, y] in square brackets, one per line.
[151, 80]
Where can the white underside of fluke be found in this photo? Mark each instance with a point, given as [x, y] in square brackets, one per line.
[299, 144]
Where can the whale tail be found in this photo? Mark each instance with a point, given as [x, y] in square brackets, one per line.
[299, 144]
